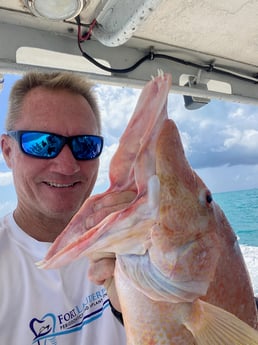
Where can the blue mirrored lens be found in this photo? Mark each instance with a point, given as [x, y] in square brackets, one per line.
[43, 145]
[86, 146]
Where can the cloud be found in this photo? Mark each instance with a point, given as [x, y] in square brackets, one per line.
[6, 178]
[117, 105]
[103, 176]
[1, 158]
[247, 138]
[219, 134]
[238, 177]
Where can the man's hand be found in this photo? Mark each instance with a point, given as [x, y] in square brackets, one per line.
[101, 271]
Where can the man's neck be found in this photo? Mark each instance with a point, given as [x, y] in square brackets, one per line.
[39, 226]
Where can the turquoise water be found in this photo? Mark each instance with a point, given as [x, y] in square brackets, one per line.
[241, 209]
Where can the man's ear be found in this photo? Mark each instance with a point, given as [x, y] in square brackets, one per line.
[6, 147]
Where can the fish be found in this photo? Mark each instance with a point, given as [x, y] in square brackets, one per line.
[179, 273]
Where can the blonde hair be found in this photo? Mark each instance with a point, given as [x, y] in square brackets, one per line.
[57, 80]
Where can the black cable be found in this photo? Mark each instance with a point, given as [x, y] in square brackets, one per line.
[103, 67]
[152, 56]
[114, 70]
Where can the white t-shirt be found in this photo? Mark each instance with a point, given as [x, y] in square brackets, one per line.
[58, 306]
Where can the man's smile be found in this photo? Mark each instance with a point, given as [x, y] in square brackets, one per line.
[60, 185]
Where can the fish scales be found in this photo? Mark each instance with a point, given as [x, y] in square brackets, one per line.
[179, 273]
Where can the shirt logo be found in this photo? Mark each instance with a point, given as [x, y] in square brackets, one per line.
[50, 327]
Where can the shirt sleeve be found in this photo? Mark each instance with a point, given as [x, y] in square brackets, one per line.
[117, 314]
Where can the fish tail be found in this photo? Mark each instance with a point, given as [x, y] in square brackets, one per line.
[212, 325]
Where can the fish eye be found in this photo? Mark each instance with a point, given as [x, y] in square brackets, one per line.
[205, 197]
[209, 198]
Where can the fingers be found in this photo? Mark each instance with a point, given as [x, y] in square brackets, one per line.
[101, 270]
[101, 273]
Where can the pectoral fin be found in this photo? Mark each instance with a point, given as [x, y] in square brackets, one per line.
[212, 325]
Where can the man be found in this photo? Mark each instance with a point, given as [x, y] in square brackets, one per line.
[52, 145]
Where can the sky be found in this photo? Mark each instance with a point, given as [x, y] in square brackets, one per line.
[220, 139]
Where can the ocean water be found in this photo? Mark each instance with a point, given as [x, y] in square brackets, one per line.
[241, 209]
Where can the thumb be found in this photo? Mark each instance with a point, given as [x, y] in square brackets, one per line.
[112, 293]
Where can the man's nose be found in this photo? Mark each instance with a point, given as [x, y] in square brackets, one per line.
[65, 163]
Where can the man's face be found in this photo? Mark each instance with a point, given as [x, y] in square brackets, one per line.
[57, 187]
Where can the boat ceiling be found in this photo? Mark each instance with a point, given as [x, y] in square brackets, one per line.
[210, 47]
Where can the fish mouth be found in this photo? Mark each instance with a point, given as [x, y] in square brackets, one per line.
[60, 185]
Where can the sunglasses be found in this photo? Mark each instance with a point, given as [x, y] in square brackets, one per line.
[48, 145]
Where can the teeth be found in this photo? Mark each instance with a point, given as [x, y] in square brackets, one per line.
[58, 185]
